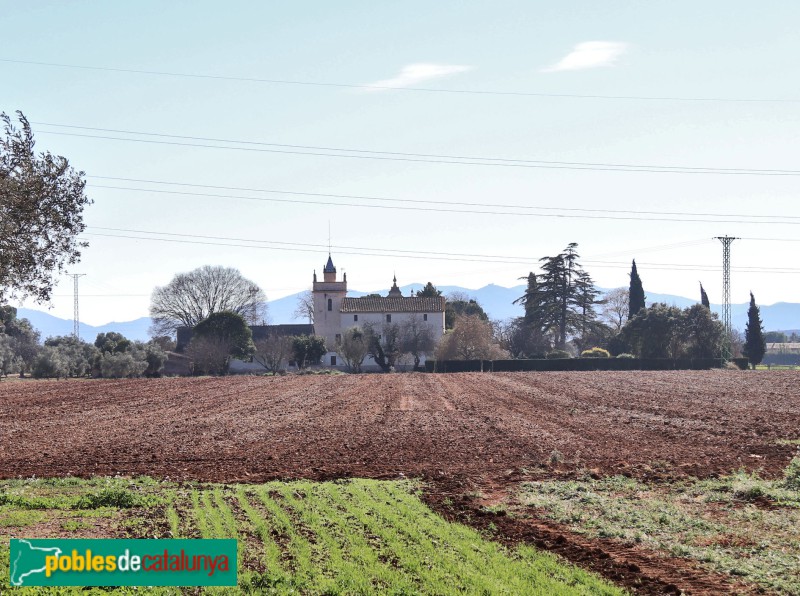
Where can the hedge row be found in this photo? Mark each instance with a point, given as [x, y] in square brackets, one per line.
[579, 364]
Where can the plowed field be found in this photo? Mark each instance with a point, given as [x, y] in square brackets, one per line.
[478, 426]
[473, 437]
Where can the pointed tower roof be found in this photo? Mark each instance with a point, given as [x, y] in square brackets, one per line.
[394, 292]
[329, 268]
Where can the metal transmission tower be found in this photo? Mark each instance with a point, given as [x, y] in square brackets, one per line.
[75, 319]
[726, 293]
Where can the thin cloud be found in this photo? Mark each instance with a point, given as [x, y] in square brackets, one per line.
[414, 74]
[590, 54]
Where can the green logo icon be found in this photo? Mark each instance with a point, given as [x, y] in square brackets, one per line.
[123, 562]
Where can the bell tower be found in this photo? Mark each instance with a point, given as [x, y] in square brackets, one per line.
[328, 295]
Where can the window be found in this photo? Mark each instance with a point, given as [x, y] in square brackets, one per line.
[388, 318]
[355, 317]
[338, 337]
[330, 304]
[425, 317]
[333, 360]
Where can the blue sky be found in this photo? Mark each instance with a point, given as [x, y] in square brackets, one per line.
[711, 50]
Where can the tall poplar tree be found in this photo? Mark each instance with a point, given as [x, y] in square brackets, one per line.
[704, 297]
[636, 293]
[755, 345]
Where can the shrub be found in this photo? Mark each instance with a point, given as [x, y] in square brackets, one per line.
[556, 354]
[595, 353]
[117, 366]
[791, 476]
[50, 363]
[626, 355]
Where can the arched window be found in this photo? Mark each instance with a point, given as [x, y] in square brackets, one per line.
[330, 304]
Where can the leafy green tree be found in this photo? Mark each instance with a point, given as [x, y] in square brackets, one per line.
[308, 350]
[49, 363]
[429, 291]
[112, 342]
[41, 217]
[8, 360]
[635, 293]
[662, 331]
[120, 365]
[78, 354]
[25, 342]
[704, 297]
[775, 337]
[754, 344]
[457, 308]
[704, 331]
[353, 349]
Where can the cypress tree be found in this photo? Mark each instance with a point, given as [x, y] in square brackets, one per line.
[704, 297]
[755, 344]
[637, 297]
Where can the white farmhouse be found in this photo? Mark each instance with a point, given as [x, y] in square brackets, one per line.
[334, 312]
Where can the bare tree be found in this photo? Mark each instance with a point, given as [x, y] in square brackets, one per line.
[471, 339]
[416, 338]
[353, 348]
[383, 344]
[191, 297]
[273, 351]
[305, 307]
[615, 308]
[209, 355]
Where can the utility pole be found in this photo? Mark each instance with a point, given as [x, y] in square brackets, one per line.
[726, 293]
[75, 319]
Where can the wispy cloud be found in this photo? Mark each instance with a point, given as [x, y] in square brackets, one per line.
[414, 74]
[590, 54]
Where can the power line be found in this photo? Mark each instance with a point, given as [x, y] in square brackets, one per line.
[468, 158]
[404, 89]
[360, 251]
[439, 209]
[434, 159]
[447, 203]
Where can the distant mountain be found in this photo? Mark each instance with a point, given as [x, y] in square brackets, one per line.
[496, 300]
[50, 326]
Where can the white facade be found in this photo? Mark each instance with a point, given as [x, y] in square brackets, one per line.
[334, 312]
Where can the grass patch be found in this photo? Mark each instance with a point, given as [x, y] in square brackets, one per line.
[788, 441]
[15, 518]
[343, 537]
[740, 525]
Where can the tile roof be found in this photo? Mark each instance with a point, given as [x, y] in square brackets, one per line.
[423, 304]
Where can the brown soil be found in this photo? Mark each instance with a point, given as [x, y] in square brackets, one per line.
[484, 430]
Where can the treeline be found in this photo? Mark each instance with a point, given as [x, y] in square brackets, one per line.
[110, 356]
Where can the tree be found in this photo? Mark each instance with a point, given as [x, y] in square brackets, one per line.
[112, 342]
[775, 337]
[25, 342]
[460, 307]
[43, 200]
[208, 355]
[308, 349]
[227, 335]
[704, 297]
[121, 365]
[754, 344]
[383, 347]
[705, 332]
[472, 338]
[416, 338]
[615, 307]
[194, 296]
[50, 363]
[8, 360]
[305, 307]
[353, 349]
[429, 291]
[272, 351]
[635, 293]
[78, 354]
[522, 340]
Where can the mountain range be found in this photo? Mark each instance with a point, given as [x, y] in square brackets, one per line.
[496, 300]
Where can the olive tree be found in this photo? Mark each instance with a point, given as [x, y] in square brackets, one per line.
[42, 200]
[353, 349]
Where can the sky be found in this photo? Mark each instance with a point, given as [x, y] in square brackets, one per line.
[451, 142]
